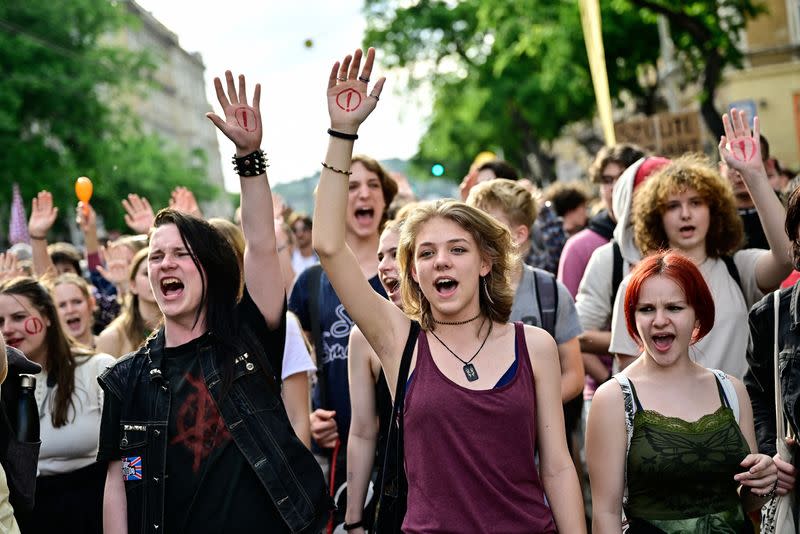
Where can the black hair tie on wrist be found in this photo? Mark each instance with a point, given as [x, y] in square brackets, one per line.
[342, 135]
[352, 526]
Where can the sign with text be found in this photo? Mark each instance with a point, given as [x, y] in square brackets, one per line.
[664, 134]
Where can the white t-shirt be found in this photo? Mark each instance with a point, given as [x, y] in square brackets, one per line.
[296, 358]
[74, 445]
[725, 346]
[300, 263]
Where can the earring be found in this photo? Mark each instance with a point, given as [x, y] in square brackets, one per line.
[486, 290]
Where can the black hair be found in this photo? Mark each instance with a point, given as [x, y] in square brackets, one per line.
[792, 223]
[501, 169]
[215, 260]
[566, 197]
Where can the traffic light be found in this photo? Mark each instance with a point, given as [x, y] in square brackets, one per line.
[437, 169]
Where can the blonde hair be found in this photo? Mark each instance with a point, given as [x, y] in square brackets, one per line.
[505, 195]
[493, 241]
[725, 233]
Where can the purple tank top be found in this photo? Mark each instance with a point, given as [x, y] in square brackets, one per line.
[469, 455]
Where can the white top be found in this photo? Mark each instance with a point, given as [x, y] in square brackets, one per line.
[74, 445]
[300, 263]
[296, 358]
[725, 346]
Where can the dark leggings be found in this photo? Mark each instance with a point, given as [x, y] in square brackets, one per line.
[72, 502]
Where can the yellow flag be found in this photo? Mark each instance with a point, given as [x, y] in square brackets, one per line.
[593, 36]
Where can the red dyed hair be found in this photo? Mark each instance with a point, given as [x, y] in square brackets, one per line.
[683, 272]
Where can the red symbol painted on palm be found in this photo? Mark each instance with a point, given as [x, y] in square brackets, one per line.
[199, 426]
[743, 148]
[348, 100]
[246, 119]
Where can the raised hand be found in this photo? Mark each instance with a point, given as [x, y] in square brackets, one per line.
[117, 265]
[43, 215]
[740, 148]
[182, 199]
[138, 213]
[242, 123]
[86, 218]
[348, 102]
[9, 268]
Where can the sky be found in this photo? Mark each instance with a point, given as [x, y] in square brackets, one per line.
[265, 40]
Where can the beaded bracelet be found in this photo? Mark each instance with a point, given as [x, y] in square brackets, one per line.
[252, 164]
[334, 169]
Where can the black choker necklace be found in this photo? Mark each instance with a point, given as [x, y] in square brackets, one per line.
[469, 369]
[457, 323]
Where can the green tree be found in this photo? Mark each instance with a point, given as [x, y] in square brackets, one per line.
[507, 74]
[58, 117]
[706, 35]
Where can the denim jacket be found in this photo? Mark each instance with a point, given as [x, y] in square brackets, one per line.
[254, 415]
[760, 357]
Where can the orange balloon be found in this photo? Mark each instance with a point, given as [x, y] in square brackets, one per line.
[83, 189]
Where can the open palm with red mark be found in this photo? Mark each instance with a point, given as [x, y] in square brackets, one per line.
[242, 123]
[348, 102]
[740, 148]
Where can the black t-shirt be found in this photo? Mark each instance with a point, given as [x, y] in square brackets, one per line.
[754, 236]
[209, 485]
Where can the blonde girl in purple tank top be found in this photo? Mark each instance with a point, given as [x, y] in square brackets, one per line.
[454, 269]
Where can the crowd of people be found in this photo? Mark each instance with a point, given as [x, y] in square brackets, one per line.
[514, 360]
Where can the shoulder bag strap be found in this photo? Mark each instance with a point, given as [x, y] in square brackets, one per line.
[780, 425]
[616, 271]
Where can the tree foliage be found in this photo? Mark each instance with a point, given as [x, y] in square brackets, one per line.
[507, 74]
[510, 74]
[59, 117]
[706, 34]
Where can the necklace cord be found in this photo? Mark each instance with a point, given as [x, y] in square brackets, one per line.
[479, 348]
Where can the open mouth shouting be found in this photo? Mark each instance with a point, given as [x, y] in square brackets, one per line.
[445, 286]
[365, 215]
[663, 342]
[75, 324]
[687, 231]
[171, 287]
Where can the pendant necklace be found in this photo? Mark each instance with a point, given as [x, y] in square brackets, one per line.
[469, 369]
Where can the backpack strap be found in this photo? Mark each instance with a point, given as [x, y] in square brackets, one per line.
[314, 284]
[731, 399]
[546, 299]
[734, 272]
[616, 271]
[630, 411]
[395, 430]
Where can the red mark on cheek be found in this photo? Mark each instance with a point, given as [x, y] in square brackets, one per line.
[33, 325]
[246, 119]
[349, 99]
[743, 149]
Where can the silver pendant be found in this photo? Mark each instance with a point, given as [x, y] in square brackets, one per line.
[470, 372]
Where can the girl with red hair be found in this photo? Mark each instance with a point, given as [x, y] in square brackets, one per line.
[676, 452]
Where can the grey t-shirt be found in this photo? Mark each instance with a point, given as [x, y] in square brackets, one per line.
[526, 307]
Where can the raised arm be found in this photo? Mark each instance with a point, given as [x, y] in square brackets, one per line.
[741, 150]
[43, 216]
[349, 105]
[242, 125]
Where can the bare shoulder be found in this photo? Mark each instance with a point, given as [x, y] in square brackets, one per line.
[540, 343]
[109, 340]
[608, 397]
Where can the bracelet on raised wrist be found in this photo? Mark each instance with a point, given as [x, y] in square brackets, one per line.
[252, 164]
[342, 135]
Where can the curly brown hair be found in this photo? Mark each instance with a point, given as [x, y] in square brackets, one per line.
[495, 245]
[725, 233]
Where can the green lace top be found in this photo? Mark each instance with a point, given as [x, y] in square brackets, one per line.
[680, 473]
